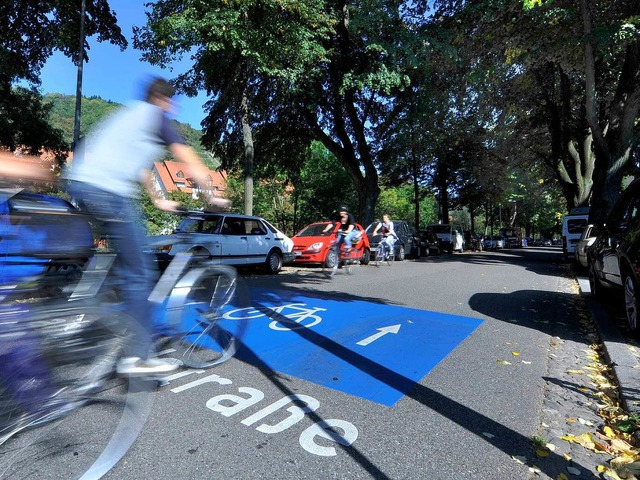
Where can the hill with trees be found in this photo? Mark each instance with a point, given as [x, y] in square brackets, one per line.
[94, 109]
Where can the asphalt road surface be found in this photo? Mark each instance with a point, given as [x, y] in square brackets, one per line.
[425, 369]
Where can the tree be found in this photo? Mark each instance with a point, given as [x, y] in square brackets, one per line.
[30, 31]
[246, 55]
[287, 73]
[574, 71]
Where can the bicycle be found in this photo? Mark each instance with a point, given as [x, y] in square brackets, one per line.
[384, 253]
[69, 345]
[348, 256]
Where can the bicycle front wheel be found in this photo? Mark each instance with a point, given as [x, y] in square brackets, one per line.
[193, 313]
[379, 255]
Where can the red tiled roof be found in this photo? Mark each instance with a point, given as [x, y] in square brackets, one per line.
[175, 176]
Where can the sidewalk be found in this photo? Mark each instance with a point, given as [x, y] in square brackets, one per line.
[623, 357]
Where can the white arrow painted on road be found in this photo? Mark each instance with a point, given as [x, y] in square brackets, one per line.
[381, 333]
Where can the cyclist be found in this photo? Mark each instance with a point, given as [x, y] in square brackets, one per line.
[385, 228]
[346, 232]
[104, 175]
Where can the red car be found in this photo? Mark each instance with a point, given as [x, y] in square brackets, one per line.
[311, 245]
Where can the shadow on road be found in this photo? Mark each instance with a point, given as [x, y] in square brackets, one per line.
[498, 435]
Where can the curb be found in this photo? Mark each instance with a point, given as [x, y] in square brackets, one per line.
[620, 354]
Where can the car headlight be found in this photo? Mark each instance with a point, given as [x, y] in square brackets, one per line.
[315, 248]
[159, 249]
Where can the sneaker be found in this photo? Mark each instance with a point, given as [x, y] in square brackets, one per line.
[334, 270]
[135, 366]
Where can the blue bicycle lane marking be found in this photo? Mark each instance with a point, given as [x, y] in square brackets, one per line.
[373, 351]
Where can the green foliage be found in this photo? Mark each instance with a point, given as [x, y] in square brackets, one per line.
[24, 123]
[63, 108]
[158, 222]
[313, 195]
[321, 188]
[398, 203]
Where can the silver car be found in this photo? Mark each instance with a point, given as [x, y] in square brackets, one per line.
[586, 240]
[227, 239]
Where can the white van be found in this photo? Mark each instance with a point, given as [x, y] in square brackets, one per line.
[449, 237]
[572, 227]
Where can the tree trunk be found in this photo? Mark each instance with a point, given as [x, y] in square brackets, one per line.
[613, 143]
[247, 137]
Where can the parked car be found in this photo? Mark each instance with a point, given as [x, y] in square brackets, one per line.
[42, 235]
[473, 241]
[407, 242]
[495, 242]
[614, 257]
[429, 243]
[586, 240]
[312, 246]
[226, 238]
[450, 237]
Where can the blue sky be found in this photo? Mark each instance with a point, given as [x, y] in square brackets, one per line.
[115, 75]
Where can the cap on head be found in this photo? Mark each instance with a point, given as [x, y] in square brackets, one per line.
[343, 208]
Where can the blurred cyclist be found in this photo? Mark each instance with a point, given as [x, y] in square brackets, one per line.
[106, 171]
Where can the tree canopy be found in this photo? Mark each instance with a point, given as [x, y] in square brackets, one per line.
[30, 31]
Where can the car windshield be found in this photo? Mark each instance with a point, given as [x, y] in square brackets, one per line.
[577, 225]
[440, 228]
[210, 224]
[314, 230]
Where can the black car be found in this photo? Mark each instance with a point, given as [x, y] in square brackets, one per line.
[407, 242]
[473, 241]
[614, 257]
[429, 243]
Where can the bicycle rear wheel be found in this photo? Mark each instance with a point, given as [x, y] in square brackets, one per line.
[193, 313]
[391, 257]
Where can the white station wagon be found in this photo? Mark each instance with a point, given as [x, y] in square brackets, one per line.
[227, 239]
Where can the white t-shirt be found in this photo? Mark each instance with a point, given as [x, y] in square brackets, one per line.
[122, 148]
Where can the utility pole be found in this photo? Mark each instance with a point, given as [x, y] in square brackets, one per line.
[76, 122]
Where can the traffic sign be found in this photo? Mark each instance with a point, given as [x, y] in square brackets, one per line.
[372, 350]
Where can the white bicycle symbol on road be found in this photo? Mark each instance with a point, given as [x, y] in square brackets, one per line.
[300, 315]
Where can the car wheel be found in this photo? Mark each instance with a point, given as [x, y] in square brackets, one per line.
[366, 257]
[401, 254]
[631, 293]
[332, 259]
[273, 263]
[594, 283]
[199, 256]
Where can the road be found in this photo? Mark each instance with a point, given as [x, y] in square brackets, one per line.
[428, 369]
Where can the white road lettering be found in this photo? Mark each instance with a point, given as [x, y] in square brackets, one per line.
[230, 404]
[209, 379]
[326, 429]
[297, 413]
[240, 403]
